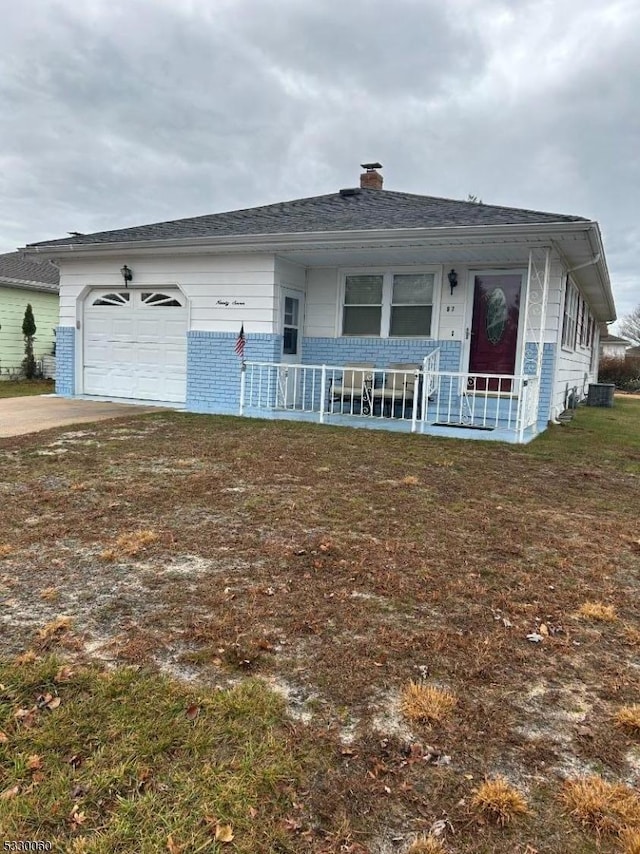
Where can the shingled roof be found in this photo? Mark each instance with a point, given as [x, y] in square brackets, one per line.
[17, 272]
[348, 210]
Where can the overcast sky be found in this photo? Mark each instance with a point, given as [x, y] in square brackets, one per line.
[123, 112]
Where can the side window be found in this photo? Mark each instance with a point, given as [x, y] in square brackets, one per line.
[570, 318]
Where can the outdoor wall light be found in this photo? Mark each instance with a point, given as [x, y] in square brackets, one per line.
[453, 280]
[127, 274]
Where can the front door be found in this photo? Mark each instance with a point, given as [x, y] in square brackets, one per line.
[292, 318]
[494, 329]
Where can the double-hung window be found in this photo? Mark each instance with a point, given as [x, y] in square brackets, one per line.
[570, 319]
[362, 313]
[388, 305]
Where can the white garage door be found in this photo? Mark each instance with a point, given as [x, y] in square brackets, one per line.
[135, 344]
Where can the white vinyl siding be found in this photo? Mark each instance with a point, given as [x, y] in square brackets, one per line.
[223, 291]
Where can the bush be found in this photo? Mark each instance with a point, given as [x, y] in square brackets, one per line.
[625, 373]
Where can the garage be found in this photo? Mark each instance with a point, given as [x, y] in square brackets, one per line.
[135, 344]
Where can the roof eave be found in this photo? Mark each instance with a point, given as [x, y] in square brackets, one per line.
[312, 239]
[25, 284]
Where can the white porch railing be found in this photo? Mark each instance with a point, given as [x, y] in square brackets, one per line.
[420, 396]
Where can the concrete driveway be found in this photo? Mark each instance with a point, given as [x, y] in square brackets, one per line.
[21, 415]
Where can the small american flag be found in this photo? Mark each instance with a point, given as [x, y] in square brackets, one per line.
[240, 342]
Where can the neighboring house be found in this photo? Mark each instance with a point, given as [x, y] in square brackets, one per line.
[490, 315]
[612, 347]
[633, 353]
[22, 282]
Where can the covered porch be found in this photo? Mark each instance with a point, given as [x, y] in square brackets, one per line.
[417, 399]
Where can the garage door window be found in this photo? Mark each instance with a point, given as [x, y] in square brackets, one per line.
[160, 299]
[113, 299]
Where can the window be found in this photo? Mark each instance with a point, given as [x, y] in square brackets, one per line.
[570, 319]
[290, 326]
[160, 299]
[411, 305]
[583, 323]
[113, 299]
[393, 305]
[362, 313]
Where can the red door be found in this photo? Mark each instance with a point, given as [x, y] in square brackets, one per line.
[494, 329]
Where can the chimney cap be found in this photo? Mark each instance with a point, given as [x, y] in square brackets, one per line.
[370, 167]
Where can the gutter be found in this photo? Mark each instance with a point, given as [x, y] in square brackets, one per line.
[307, 240]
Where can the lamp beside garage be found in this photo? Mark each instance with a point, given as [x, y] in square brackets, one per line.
[127, 274]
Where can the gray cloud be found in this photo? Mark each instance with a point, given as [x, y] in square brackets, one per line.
[117, 113]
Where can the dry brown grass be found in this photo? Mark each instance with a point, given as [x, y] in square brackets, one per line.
[428, 704]
[602, 806]
[130, 545]
[597, 611]
[55, 627]
[630, 841]
[628, 718]
[499, 801]
[426, 845]
[632, 635]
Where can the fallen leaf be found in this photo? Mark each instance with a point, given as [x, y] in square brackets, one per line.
[9, 793]
[78, 817]
[172, 845]
[544, 629]
[192, 712]
[534, 637]
[4, 738]
[64, 674]
[34, 762]
[54, 703]
[253, 812]
[224, 833]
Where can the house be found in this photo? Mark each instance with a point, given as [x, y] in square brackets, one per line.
[23, 281]
[450, 317]
[612, 347]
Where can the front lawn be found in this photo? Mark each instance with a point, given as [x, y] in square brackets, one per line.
[24, 388]
[407, 617]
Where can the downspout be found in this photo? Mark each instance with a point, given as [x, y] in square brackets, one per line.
[586, 264]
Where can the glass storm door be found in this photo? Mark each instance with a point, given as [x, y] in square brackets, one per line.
[292, 316]
[494, 329]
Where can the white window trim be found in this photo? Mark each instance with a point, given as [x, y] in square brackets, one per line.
[387, 295]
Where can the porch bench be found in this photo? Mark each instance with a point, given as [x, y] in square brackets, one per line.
[354, 388]
[398, 389]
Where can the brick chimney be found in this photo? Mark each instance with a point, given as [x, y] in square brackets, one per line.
[371, 179]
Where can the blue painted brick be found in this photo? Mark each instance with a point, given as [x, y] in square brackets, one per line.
[65, 361]
[213, 369]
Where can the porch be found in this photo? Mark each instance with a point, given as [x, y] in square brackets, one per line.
[409, 398]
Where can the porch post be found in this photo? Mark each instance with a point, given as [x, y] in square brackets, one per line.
[243, 385]
[414, 413]
[535, 318]
[323, 391]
